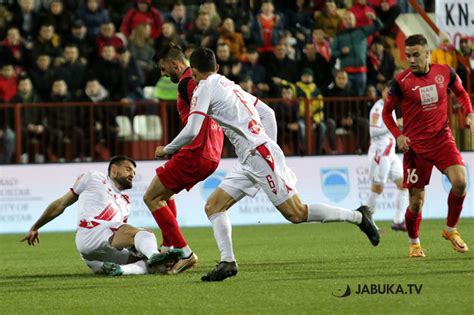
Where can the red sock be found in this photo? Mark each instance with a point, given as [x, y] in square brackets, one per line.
[172, 205]
[412, 222]
[169, 227]
[454, 209]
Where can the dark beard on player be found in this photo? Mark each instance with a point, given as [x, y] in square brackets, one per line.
[124, 183]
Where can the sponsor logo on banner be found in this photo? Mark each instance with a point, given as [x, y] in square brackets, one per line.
[447, 184]
[211, 183]
[335, 183]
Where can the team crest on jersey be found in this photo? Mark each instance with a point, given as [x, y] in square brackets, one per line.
[254, 127]
[335, 183]
[439, 79]
[193, 102]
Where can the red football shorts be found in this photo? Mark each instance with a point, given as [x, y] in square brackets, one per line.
[184, 170]
[417, 166]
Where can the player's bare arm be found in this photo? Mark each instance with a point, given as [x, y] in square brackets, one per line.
[53, 210]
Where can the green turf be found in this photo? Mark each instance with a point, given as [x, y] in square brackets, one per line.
[283, 269]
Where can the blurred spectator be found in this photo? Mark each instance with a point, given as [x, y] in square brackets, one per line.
[116, 10]
[280, 68]
[209, 7]
[328, 20]
[8, 82]
[350, 47]
[58, 17]
[93, 16]
[363, 13]
[15, 48]
[42, 76]
[26, 19]
[318, 57]
[107, 36]
[79, 39]
[202, 34]
[348, 115]
[380, 65]
[387, 11]
[239, 12]
[308, 91]
[255, 70]
[72, 70]
[286, 113]
[299, 21]
[445, 53]
[132, 74]
[266, 27]
[228, 65]
[140, 45]
[141, 13]
[319, 5]
[33, 123]
[466, 50]
[290, 42]
[110, 73]
[169, 35]
[233, 39]
[6, 18]
[246, 83]
[104, 126]
[47, 42]
[7, 123]
[66, 119]
[177, 16]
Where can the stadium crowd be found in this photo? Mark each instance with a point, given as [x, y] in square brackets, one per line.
[61, 51]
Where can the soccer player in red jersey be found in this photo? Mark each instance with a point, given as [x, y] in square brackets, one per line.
[426, 140]
[190, 165]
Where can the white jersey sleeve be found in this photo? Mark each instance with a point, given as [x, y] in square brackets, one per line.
[267, 116]
[81, 183]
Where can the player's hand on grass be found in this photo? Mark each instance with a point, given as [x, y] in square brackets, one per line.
[32, 237]
[470, 122]
[402, 143]
[160, 151]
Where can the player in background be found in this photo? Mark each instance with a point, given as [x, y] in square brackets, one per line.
[105, 241]
[421, 91]
[262, 161]
[190, 165]
[384, 163]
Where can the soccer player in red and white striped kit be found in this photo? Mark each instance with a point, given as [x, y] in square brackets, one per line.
[421, 91]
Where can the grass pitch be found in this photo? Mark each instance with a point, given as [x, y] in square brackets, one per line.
[284, 269]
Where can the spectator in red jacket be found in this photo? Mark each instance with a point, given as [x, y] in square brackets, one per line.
[142, 13]
[7, 82]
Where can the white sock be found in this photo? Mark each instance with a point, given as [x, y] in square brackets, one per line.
[372, 201]
[450, 229]
[325, 213]
[136, 268]
[414, 240]
[223, 235]
[145, 243]
[401, 205]
[187, 251]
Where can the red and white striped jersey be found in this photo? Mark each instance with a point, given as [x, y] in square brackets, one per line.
[99, 199]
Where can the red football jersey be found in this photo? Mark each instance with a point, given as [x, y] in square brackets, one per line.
[208, 143]
[423, 101]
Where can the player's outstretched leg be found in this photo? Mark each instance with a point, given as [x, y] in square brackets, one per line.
[222, 271]
[368, 226]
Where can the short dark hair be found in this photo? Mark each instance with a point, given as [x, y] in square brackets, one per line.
[416, 39]
[118, 160]
[203, 59]
[170, 51]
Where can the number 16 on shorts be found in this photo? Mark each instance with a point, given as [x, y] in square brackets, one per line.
[412, 177]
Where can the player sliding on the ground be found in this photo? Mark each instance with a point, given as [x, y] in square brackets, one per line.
[107, 244]
[422, 92]
[262, 161]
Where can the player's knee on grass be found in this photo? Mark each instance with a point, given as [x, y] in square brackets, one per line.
[124, 236]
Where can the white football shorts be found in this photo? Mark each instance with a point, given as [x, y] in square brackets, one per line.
[383, 168]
